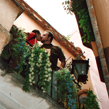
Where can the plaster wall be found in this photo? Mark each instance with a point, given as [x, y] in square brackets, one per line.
[26, 23]
[102, 9]
[4, 37]
[8, 13]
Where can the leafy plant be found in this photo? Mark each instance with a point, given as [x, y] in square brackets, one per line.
[67, 93]
[79, 7]
[27, 61]
[38, 65]
[68, 37]
[91, 102]
[15, 52]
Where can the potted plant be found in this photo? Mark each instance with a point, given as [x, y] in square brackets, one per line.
[14, 52]
[67, 92]
[82, 95]
[88, 99]
[27, 61]
[79, 8]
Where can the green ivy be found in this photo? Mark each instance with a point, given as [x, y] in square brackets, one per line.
[91, 102]
[79, 7]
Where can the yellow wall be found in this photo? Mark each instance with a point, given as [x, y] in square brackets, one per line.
[101, 8]
[25, 22]
[102, 13]
[5, 37]
[8, 13]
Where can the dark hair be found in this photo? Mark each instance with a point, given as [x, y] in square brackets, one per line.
[50, 35]
[36, 31]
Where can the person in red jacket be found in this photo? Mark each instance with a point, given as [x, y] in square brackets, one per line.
[33, 37]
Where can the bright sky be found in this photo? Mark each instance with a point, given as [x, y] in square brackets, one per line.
[53, 12]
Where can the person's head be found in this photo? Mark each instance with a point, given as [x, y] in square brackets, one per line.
[37, 34]
[47, 37]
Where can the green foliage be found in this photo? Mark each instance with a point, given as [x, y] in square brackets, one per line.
[68, 37]
[31, 62]
[79, 7]
[14, 53]
[86, 26]
[91, 102]
[38, 66]
[66, 88]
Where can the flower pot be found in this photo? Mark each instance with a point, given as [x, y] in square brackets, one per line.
[82, 95]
